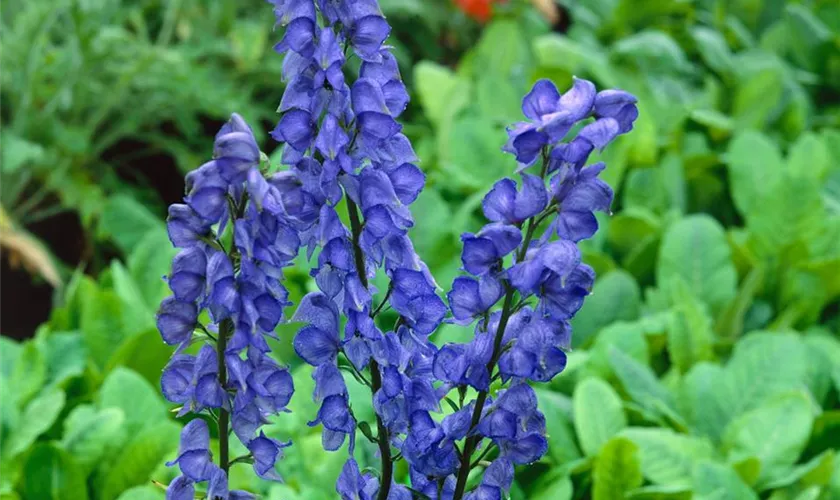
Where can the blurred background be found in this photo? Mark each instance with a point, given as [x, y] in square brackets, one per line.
[706, 363]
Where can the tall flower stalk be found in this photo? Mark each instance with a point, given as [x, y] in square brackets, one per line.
[341, 144]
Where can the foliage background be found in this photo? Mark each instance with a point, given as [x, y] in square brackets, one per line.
[706, 363]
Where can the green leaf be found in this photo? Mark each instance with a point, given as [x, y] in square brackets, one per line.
[37, 418]
[757, 97]
[809, 157]
[50, 473]
[718, 482]
[562, 447]
[695, 249]
[436, 85]
[775, 432]
[765, 364]
[808, 36]
[139, 401]
[559, 51]
[428, 233]
[65, 355]
[617, 470]
[713, 49]
[558, 489]
[598, 414]
[9, 353]
[630, 227]
[707, 399]
[143, 493]
[628, 337]
[29, 373]
[469, 153]
[137, 315]
[816, 472]
[135, 462]
[126, 221]
[148, 263]
[755, 165]
[145, 354]
[615, 296]
[643, 387]
[653, 51]
[690, 336]
[730, 322]
[15, 152]
[100, 321]
[89, 433]
[667, 457]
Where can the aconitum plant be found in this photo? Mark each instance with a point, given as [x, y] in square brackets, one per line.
[445, 410]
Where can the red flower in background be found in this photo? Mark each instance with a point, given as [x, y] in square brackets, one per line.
[480, 10]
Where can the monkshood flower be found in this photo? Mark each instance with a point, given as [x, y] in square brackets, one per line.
[527, 259]
[239, 285]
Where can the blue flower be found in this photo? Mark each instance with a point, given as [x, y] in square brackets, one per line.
[185, 227]
[470, 298]
[504, 204]
[189, 269]
[266, 452]
[579, 194]
[194, 457]
[483, 252]
[235, 150]
[176, 320]
[317, 343]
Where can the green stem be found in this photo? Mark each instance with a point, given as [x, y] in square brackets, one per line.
[507, 310]
[224, 417]
[375, 377]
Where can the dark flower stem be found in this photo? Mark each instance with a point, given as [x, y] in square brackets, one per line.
[375, 377]
[472, 442]
[224, 417]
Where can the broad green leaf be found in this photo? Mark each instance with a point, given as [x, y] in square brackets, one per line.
[145, 353]
[147, 492]
[562, 447]
[713, 49]
[730, 322]
[809, 157]
[668, 458]
[429, 233]
[137, 315]
[714, 481]
[792, 211]
[628, 337]
[51, 473]
[469, 153]
[65, 355]
[653, 51]
[644, 190]
[17, 152]
[775, 432]
[614, 297]
[756, 98]
[598, 414]
[126, 221]
[815, 472]
[139, 401]
[100, 322]
[618, 469]
[29, 373]
[134, 463]
[643, 387]
[89, 433]
[9, 353]
[765, 364]
[809, 37]
[707, 399]
[754, 165]
[559, 51]
[558, 489]
[148, 263]
[690, 336]
[695, 249]
[436, 85]
[824, 357]
[38, 416]
[660, 492]
[825, 434]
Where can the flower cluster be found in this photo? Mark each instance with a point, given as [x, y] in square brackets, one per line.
[527, 258]
[343, 141]
[342, 145]
[240, 287]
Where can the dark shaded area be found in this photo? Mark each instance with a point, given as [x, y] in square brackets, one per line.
[25, 300]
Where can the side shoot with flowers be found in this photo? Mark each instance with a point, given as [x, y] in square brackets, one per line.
[444, 410]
